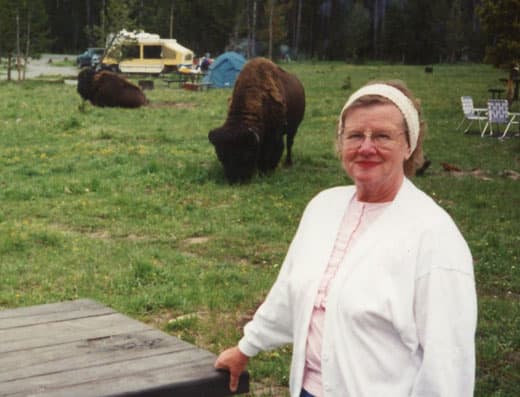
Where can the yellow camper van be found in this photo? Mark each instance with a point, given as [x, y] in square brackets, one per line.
[140, 52]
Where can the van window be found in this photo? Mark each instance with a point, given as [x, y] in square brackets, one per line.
[152, 51]
[130, 51]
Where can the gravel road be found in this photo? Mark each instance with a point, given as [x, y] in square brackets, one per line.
[44, 67]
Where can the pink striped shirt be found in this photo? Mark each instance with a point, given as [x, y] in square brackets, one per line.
[357, 218]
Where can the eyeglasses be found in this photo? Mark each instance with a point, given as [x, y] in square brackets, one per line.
[381, 140]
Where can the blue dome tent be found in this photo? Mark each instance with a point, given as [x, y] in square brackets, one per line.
[225, 69]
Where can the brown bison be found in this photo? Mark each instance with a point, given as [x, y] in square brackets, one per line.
[106, 88]
[267, 103]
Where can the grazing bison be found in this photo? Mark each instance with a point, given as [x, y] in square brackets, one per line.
[105, 88]
[267, 103]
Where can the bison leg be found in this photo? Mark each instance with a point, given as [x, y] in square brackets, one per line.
[288, 156]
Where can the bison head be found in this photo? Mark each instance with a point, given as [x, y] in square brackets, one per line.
[85, 83]
[237, 150]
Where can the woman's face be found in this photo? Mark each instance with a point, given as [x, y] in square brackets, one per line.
[375, 163]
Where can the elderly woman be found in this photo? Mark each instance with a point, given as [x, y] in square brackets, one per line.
[376, 293]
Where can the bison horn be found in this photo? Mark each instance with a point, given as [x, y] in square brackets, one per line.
[253, 131]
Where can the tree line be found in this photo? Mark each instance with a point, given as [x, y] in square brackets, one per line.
[405, 31]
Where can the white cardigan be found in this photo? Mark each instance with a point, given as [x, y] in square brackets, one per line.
[401, 311]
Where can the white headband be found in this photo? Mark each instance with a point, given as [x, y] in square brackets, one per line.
[403, 103]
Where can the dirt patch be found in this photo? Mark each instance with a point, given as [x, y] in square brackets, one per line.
[457, 172]
[196, 240]
[258, 389]
[515, 176]
[478, 173]
[98, 234]
[171, 104]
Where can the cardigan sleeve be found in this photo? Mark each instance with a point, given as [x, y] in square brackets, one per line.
[446, 314]
[272, 324]
[280, 315]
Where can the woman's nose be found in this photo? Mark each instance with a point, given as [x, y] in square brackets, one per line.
[367, 145]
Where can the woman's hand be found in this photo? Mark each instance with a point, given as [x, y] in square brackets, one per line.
[235, 362]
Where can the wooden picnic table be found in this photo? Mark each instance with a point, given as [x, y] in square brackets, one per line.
[84, 349]
[197, 86]
[182, 78]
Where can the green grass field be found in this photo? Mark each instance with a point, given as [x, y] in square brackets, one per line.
[131, 208]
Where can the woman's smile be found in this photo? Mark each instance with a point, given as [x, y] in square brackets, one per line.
[367, 163]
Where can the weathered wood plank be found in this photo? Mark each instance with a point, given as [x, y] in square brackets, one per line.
[83, 349]
[30, 321]
[28, 363]
[137, 375]
[83, 305]
[181, 366]
[66, 331]
[153, 384]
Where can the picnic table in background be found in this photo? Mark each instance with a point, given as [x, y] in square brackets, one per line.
[185, 75]
[84, 349]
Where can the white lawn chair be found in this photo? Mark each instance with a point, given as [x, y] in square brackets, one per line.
[498, 113]
[472, 113]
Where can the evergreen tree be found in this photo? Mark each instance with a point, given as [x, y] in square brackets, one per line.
[115, 15]
[414, 31]
[66, 23]
[500, 19]
[36, 30]
[418, 18]
[23, 32]
[396, 34]
[273, 28]
[356, 32]
[8, 32]
[455, 31]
